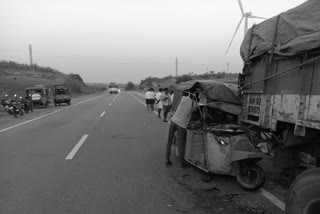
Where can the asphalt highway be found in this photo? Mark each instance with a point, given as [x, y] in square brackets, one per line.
[105, 154]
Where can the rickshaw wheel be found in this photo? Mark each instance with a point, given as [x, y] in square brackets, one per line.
[251, 177]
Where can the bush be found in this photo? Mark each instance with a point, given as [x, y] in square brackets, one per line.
[130, 86]
[183, 78]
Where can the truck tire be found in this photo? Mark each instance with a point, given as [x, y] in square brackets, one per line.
[69, 102]
[304, 193]
[250, 176]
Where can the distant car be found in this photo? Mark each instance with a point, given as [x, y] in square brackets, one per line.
[61, 94]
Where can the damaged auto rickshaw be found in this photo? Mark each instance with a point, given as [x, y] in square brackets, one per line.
[215, 141]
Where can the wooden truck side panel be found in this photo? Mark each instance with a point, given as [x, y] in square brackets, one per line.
[292, 97]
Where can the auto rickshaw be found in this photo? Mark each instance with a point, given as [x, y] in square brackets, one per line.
[39, 95]
[215, 141]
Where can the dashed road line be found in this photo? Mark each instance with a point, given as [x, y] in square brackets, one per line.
[37, 118]
[101, 115]
[115, 98]
[263, 192]
[76, 147]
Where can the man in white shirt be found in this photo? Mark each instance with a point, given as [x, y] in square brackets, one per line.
[179, 123]
[166, 100]
[147, 98]
[152, 99]
[159, 102]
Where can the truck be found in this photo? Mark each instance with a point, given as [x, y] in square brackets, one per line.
[280, 91]
[113, 88]
[61, 94]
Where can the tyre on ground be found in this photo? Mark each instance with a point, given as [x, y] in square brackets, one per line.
[304, 193]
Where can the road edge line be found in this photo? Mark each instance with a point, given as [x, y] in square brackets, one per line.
[155, 112]
[273, 199]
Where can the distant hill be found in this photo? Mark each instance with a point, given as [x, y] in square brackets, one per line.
[15, 77]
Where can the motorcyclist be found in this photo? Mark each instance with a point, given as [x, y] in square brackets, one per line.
[28, 100]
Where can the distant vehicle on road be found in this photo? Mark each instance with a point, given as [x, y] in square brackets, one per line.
[39, 95]
[61, 94]
[113, 88]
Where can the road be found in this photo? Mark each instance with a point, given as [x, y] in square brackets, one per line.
[105, 154]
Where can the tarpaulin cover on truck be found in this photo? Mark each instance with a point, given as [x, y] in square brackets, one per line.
[214, 91]
[290, 33]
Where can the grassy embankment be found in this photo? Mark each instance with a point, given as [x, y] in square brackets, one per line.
[15, 78]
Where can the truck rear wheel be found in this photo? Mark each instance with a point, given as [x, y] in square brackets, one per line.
[304, 193]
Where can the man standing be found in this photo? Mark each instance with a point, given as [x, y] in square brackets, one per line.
[159, 102]
[179, 123]
[152, 99]
[147, 95]
[166, 100]
[171, 100]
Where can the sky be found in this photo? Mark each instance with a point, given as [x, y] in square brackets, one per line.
[128, 40]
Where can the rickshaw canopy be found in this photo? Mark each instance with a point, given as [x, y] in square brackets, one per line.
[217, 94]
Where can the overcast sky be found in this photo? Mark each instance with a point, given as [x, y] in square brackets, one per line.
[128, 40]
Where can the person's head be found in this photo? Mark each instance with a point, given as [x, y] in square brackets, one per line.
[166, 90]
[170, 92]
[151, 89]
[160, 89]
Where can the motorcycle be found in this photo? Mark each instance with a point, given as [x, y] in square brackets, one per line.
[5, 103]
[15, 107]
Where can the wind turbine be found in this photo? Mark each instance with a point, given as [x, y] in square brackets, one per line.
[245, 16]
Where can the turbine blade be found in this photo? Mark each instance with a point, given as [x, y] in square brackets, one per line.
[234, 34]
[257, 17]
[241, 7]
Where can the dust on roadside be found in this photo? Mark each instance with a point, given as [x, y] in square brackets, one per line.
[215, 197]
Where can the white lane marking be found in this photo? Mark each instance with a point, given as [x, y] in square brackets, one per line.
[76, 147]
[37, 118]
[264, 192]
[115, 98]
[273, 199]
[101, 115]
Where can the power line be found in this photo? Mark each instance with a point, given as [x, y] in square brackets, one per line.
[94, 59]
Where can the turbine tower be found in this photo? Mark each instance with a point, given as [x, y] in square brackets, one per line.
[245, 16]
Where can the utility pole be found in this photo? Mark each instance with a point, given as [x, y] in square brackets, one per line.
[176, 67]
[227, 67]
[30, 54]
